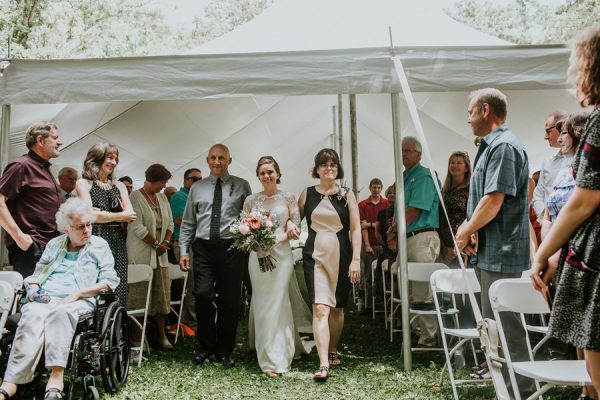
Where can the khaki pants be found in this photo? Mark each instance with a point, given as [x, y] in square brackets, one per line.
[188, 316]
[43, 327]
[423, 247]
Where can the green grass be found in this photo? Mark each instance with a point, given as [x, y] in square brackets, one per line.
[372, 369]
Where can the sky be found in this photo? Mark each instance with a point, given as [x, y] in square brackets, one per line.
[182, 12]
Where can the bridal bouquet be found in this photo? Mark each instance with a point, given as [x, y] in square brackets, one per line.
[255, 231]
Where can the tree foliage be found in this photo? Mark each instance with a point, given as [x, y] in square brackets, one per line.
[527, 21]
[110, 28]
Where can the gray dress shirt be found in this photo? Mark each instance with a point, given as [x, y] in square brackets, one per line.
[198, 209]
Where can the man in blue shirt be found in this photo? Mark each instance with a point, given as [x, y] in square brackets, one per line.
[497, 211]
[422, 220]
[177, 204]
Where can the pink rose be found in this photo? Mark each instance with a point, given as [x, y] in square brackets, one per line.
[255, 223]
[244, 229]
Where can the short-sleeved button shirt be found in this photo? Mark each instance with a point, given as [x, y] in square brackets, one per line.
[502, 167]
[33, 197]
[419, 192]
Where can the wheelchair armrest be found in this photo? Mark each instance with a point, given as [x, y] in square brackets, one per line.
[105, 297]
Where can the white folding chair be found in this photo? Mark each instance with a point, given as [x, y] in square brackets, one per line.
[386, 295]
[395, 306]
[7, 298]
[519, 296]
[421, 272]
[454, 283]
[177, 274]
[373, 291]
[15, 280]
[137, 273]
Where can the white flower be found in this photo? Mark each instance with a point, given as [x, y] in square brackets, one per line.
[233, 229]
[269, 223]
[244, 229]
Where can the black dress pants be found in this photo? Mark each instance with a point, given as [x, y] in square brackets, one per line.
[217, 287]
[24, 261]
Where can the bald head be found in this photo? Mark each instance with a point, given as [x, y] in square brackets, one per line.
[218, 159]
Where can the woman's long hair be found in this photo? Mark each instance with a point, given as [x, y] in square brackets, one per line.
[95, 158]
[448, 181]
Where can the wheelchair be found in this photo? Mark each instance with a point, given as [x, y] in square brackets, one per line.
[100, 347]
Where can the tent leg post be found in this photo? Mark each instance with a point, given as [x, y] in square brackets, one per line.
[354, 144]
[401, 223]
[340, 131]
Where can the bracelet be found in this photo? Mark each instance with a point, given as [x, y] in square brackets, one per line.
[166, 241]
[155, 245]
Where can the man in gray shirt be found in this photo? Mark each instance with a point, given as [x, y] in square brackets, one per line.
[551, 165]
[213, 204]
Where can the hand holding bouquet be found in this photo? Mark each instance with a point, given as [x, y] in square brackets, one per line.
[255, 231]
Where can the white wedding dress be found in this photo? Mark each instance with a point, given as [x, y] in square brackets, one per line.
[278, 313]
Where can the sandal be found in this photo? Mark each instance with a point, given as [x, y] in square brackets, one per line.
[479, 367]
[482, 374]
[53, 394]
[4, 394]
[322, 374]
[334, 359]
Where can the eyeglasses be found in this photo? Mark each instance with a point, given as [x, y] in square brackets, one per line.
[332, 166]
[193, 178]
[410, 151]
[549, 129]
[82, 227]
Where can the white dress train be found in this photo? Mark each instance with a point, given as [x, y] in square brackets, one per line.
[278, 313]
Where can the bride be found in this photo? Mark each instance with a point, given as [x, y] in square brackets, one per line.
[278, 313]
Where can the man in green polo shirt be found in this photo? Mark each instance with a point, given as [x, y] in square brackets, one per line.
[422, 220]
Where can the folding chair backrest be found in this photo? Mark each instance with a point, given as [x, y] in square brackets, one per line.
[454, 281]
[175, 272]
[517, 295]
[526, 274]
[139, 273]
[7, 295]
[13, 278]
[421, 272]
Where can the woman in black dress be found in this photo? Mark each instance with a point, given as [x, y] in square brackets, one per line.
[110, 203]
[331, 254]
[455, 193]
[575, 317]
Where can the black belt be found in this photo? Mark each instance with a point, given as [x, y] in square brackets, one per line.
[413, 233]
[218, 242]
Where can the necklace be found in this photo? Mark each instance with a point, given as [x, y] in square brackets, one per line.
[104, 185]
[153, 204]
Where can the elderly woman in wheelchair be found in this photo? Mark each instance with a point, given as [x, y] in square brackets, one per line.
[74, 268]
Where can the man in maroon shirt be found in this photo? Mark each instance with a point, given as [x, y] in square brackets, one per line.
[30, 198]
[372, 248]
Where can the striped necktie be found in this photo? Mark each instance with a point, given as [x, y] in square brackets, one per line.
[215, 217]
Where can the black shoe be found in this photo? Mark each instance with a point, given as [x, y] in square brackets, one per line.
[201, 357]
[227, 361]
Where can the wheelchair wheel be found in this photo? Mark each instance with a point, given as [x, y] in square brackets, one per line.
[114, 361]
[5, 347]
[92, 393]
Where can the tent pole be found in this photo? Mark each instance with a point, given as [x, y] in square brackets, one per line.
[401, 224]
[354, 144]
[4, 132]
[340, 131]
[334, 134]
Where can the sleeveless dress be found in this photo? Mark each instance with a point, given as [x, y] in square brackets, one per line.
[327, 252]
[278, 313]
[113, 233]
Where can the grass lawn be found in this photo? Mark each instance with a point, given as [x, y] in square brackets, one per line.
[371, 369]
